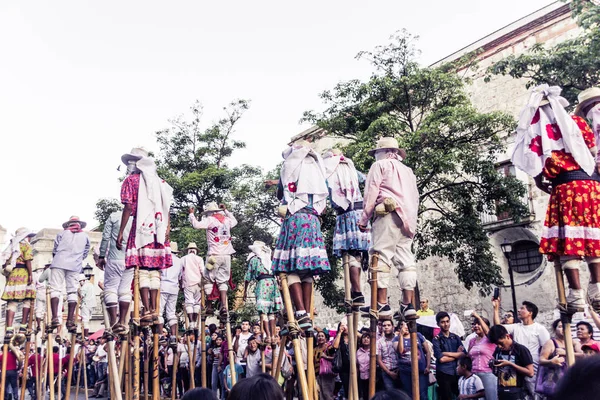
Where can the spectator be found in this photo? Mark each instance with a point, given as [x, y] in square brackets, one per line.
[252, 357]
[387, 355]
[590, 349]
[363, 358]
[585, 334]
[259, 387]
[240, 342]
[425, 310]
[512, 364]
[469, 384]
[199, 394]
[508, 318]
[227, 378]
[215, 351]
[323, 357]
[448, 349]
[341, 344]
[552, 359]
[391, 394]
[527, 333]
[183, 367]
[12, 372]
[481, 351]
[404, 363]
[580, 381]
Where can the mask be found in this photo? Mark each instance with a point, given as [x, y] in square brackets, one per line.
[131, 168]
[384, 154]
[594, 116]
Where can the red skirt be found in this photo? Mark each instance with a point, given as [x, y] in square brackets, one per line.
[572, 226]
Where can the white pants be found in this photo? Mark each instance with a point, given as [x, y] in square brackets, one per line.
[61, 277]
[394, 249]
[117, 282]
[149, 278]
[219, 274]
[40, 304]
[86, 315]
[193, 298]
[168, 301]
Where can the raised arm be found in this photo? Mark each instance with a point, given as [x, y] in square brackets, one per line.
[202, 224]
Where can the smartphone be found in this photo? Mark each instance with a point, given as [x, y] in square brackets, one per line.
[468, 313]
[496, 293]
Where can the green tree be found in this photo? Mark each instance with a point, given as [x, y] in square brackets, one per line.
[572, 64]
[105, 207]
[451, 147]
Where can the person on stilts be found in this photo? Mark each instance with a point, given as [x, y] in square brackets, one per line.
[41, 277]
[117, 278]
[300, 248]
[218, 222]
[71, 247]
[20, 287]
[392, 200]
[192, 267]
[169, 290]
[268, 297]
[88, 303]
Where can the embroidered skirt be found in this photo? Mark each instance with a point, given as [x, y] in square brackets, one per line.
[300, 246]
[152, 256]
[16, 288]
[347, 235]
[268, 297]
[572, 225]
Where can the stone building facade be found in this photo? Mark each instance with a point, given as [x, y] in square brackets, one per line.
[533, 275]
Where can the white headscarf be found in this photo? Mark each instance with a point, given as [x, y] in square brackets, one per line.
[342, 180]
[594, 116]
[154, 202]
[303, 174]
[540, 133]
[263, 253]
[13, 250]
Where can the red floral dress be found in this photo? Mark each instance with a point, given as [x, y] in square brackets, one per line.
[152, 256]
[572, 225]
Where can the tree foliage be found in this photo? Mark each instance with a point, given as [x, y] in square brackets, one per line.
[105, 207]
[572, 64]
[451, 147]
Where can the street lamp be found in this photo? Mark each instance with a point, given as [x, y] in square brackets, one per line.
[507, 250]
[88, 271]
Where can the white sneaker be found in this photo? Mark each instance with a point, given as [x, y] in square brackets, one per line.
[594, 296]
[576, 300]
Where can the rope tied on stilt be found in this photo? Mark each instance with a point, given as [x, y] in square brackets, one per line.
[294, 328]
[373, 314]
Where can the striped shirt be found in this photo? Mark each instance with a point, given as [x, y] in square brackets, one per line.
[470, 385]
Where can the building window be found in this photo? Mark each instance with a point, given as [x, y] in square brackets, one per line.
[506, 169]
[525, 256]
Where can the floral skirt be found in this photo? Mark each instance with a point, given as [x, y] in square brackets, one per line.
[347, 235]
[16, 288]
[572, 225]
[300, 246]
[268, 297]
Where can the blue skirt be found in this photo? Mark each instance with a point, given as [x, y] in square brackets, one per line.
[347, 235]
[300, 246]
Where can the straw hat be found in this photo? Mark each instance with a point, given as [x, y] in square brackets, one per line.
[134, 155]
[174, 248]
[74, 219]
[192, 246]
[585, 98]
[258, 247]
[23, 233]
[211, 208]
[302, 143]
[385, 143]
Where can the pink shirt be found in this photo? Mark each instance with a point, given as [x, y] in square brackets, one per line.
[218, 234]
[191, 269]
[481, 351]
[363, 358]
[391, 178]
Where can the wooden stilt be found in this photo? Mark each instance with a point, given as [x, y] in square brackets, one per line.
[311, 378]
[374, 318]
[414, 358]
[44, 375]
[155, 360]
[565, 315]
[278, 361]
[189, 348]
[72, 353]
[113, 370]
[294, 332]
[38, 361]
[136, 336]
[49, 353]
[122, 362]
[175, 366]
[79, 356]
[27, 348]
[146, 365]
[263, 344]
[201, 335]
[230, 349]
[4, 362]
[127, 372]
[85, 382]
[353, 386]
[59, 372]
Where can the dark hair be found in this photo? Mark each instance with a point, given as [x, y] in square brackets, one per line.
[555, 324]
[466, 363]
[258, 387]
[496, 333]
[391, 394]
[487, 321]
[55, 349]
[246, 320]
[199, 394]
[588, 326]
[251, 338]
[580, 381]
[362, 337]
[532, 308]
[212, 328]
[441, 315]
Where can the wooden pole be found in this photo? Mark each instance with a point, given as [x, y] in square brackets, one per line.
[230, 349]
[79, 355]
[27, 348]
[374, 320]
[175, 366]
[127, 373]
[85, 382]
[202, 338]
[189, 348]
[313, 390]
[72, 353]
[146, 365]
[136, 336]
[353, 386]
[263, 344]
[37, 366]
[155, 360]
[414, 358]
[4, 361]
[49, 354]
[278, 361]
[294, 331]
[59, 373]
[565, 315]
[113, 370]
[122, 361]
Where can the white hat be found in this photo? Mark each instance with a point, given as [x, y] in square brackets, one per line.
[385, 143]
[74, 219]
[585, 98]
[134, 155]
[211, 208]
[81, 277]
[258, 247]
[24, 232]
[174, 247]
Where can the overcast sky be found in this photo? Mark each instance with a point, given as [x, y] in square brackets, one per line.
[82, 82]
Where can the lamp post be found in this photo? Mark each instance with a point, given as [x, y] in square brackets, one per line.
[88, 271]
[507, 250]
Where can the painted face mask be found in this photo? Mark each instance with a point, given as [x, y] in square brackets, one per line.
[131, 167]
